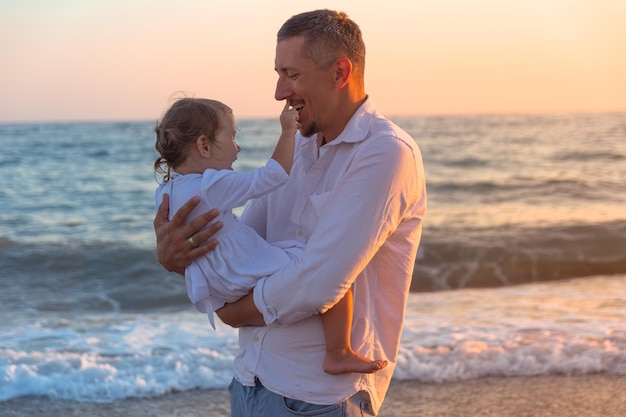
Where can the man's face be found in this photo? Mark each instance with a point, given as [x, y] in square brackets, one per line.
[306, 87]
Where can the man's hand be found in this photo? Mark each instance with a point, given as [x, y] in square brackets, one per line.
[175, 251]
[241, 313]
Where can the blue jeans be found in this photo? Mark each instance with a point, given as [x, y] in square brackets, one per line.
[258, 401]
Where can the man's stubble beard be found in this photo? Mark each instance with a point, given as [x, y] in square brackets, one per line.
[310, 130]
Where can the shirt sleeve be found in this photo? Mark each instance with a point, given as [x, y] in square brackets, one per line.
[364, 208]
[228, 189]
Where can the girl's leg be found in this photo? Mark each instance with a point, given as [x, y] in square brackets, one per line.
[340, 358]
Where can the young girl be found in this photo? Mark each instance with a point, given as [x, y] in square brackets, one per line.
[196, 142]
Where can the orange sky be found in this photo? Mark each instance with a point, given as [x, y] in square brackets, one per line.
[110, 60]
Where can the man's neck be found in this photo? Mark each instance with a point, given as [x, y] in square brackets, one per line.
[343, 117]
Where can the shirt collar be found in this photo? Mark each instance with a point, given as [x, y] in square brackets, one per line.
[358, 126]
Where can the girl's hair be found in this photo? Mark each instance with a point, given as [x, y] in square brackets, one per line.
[185, 121]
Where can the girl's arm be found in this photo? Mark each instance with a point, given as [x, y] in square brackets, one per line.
[283, 153]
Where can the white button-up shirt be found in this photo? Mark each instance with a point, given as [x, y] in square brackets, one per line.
[358, 203]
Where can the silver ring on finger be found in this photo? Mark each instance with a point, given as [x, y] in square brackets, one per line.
[191, 242]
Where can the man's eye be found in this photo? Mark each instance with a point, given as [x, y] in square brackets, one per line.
[292, 76]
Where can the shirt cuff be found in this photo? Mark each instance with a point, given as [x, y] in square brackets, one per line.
[268, 312]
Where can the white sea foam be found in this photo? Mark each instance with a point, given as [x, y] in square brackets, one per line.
[567, 327]
[118, 356]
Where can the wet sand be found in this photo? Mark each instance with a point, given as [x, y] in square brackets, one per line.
[562, 396]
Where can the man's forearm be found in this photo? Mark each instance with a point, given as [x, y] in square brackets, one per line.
[241, 313]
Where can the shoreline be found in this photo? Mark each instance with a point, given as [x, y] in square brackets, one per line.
[539, 396]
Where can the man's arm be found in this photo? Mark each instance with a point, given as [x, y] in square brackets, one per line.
[350, 227]
[241, 313]
[362, 211]
[174, 251]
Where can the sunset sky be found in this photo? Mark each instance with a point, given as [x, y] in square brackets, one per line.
[122, 60]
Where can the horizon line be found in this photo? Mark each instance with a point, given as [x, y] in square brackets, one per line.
[389, 116]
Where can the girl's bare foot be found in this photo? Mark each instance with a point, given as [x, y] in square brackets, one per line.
[346, 361]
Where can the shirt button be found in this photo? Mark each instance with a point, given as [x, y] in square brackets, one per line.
[256, 338]
[299, 233]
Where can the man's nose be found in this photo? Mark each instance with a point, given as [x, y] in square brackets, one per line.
[283, 89]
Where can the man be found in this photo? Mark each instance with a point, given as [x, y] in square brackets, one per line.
[356, 197]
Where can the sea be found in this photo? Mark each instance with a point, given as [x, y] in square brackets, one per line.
[521, 269]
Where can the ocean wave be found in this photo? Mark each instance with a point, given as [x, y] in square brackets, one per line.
[588, 156]
[87, 277]
[519, 188]
[459, 200]
[452, 259]
[120, 277]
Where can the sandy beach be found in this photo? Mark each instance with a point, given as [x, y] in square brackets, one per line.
[562, 396]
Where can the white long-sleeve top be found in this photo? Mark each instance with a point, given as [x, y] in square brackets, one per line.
[358, 203]
[242, 257]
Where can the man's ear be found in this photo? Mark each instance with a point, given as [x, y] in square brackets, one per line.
[342, 72]
[203, 145]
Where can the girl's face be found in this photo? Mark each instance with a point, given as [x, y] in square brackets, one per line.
[224, 152]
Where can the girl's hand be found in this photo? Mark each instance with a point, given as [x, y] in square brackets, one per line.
[289, 120]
